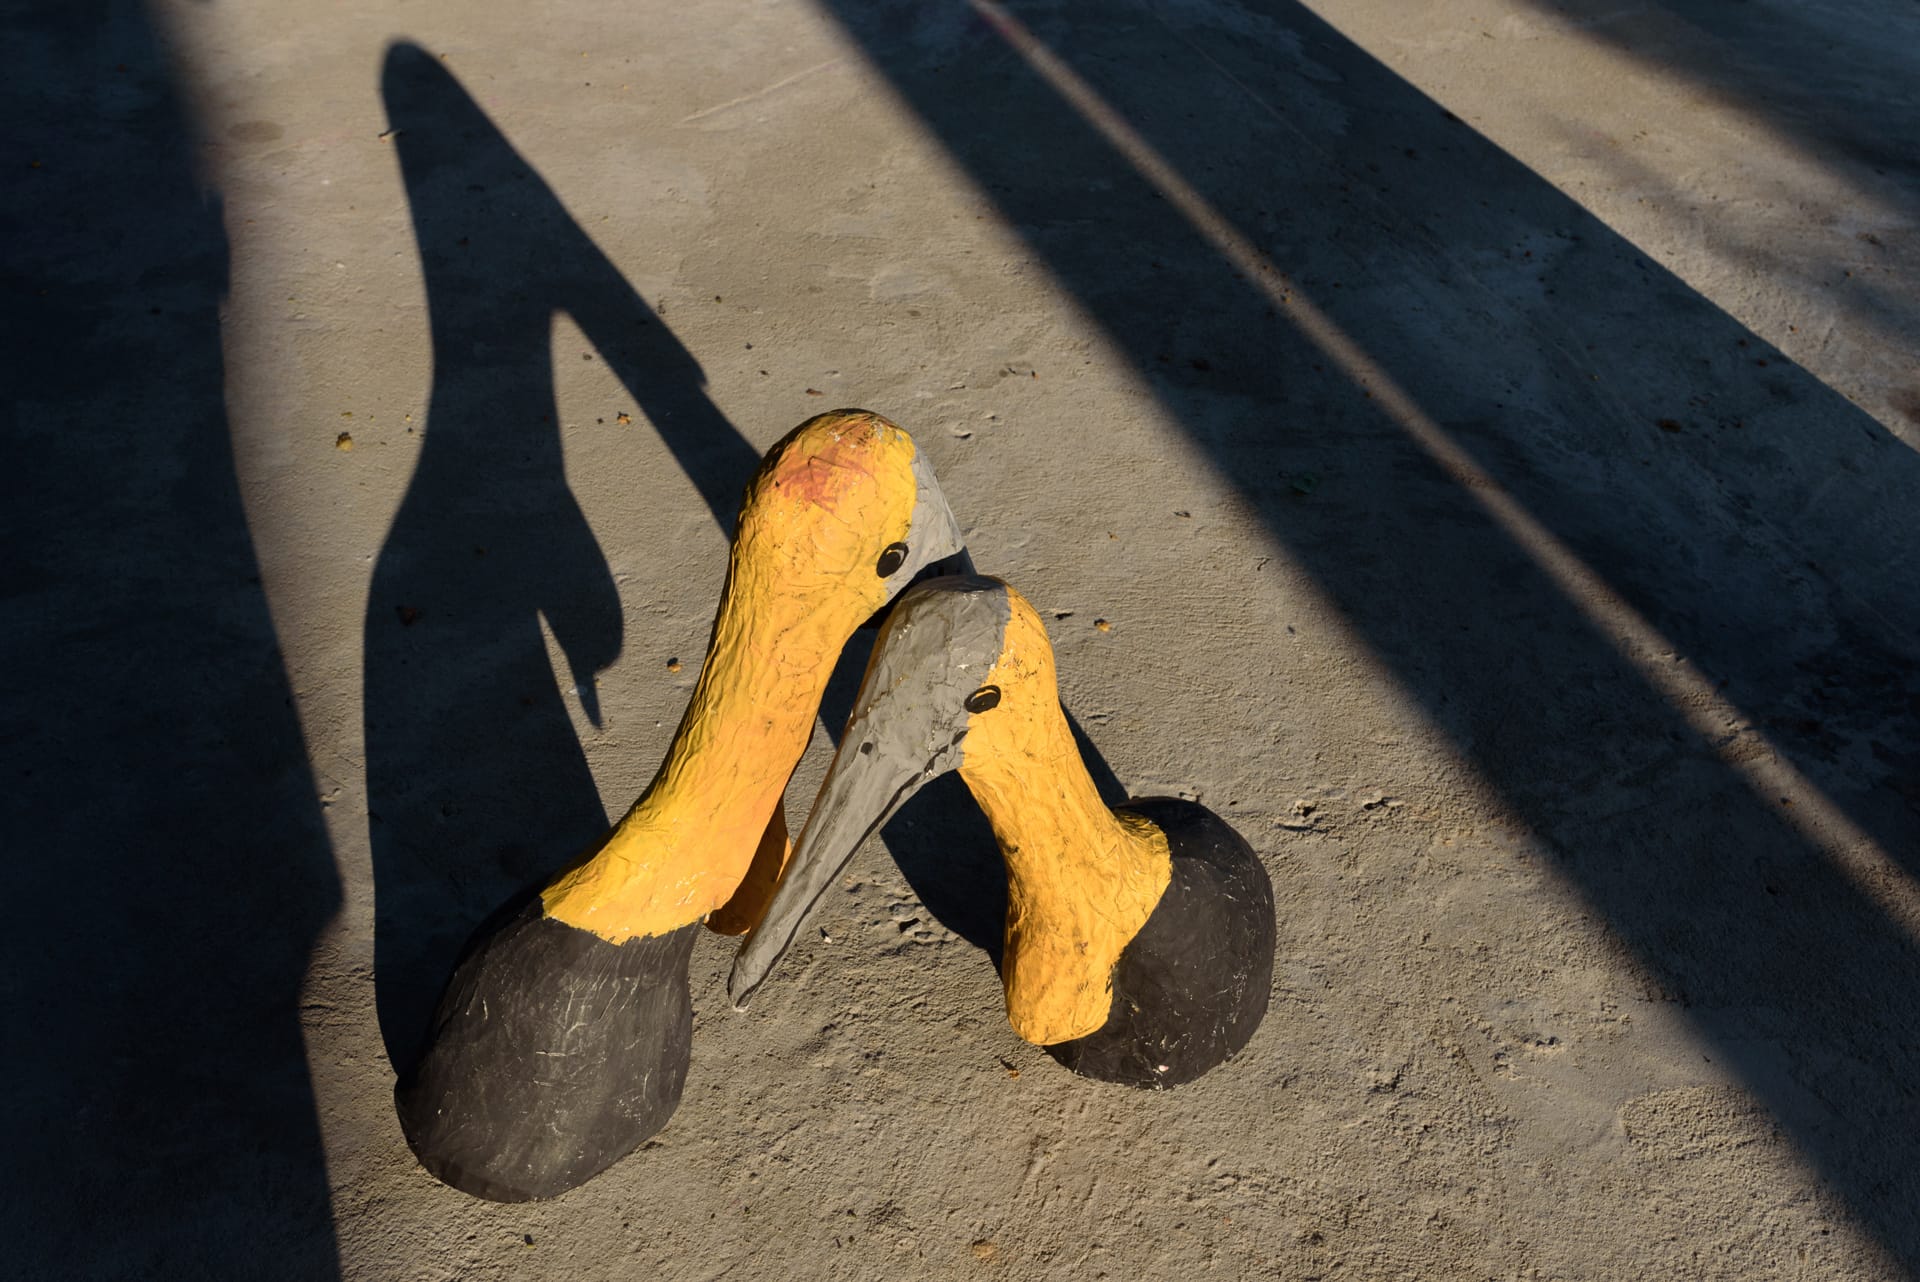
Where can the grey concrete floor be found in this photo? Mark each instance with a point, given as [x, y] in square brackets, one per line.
[1469, 444]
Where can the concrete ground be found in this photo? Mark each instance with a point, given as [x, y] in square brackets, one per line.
[1470, 444]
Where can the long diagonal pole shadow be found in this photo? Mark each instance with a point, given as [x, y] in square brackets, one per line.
[1534, 337]
[477, 783]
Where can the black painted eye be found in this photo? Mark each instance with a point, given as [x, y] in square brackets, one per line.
[891, 558]
[983, 698]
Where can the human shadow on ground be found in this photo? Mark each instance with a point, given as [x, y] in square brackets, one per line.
[477, 783]
[1749, 513]
[165, 846]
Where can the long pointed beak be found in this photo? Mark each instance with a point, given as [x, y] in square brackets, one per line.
[960, 563]
[937, 548]
[908, 722]
[870, 779]
[935, 543]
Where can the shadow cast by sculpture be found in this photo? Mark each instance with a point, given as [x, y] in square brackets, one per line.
[1727, 498]
[477, 784]
[162, 823]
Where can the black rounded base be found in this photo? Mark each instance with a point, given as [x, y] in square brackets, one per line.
[1192, 987]
[553, 1055]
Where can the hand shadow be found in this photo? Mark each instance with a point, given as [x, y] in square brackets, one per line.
[477, 785]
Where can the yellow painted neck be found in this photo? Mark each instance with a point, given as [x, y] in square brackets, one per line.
[686, 844]
[800, 580]
[1081, 879]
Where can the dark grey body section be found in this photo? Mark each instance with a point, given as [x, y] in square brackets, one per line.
[553, 1055]
[1192, 987]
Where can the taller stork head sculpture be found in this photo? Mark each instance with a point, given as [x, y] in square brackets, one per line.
[562, 1039]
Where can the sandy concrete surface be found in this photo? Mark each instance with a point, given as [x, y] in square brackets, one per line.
[1469, 444]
